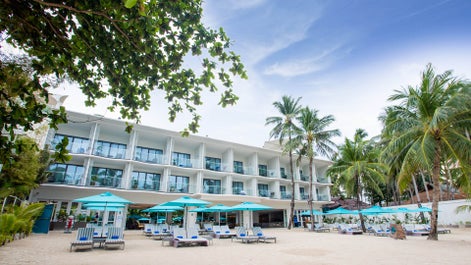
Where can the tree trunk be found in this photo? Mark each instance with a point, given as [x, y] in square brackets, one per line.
[425, 185]
[310, 202]
[291, 215]
[362, 220]
[419, 202]
[436, 192]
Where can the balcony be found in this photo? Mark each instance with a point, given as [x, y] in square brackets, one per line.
[323, 180]
[304, 178]
[184, 188]
[264, 193]
[285, 196]
[213, 189]
[322, 197]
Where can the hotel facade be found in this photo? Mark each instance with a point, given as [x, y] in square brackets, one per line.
[150, 166]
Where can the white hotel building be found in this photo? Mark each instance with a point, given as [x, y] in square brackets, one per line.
[150, 166]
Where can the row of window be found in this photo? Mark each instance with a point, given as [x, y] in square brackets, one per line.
[116, 150]
[72, 175]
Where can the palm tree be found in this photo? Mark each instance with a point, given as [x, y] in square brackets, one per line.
[314, 139]
[284, 130]
[358, 166]
[427, 128]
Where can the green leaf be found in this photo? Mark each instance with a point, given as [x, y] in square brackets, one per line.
[130, 3]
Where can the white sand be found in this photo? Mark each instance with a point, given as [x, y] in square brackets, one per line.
[293, 247]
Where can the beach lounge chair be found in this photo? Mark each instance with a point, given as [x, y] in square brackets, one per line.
[208, 228]
[225, 232]
[160, 231]
[346, 229]
[148, 228]
[84, 238]
[440, 230]
[115, 237]
[379, 231]
[180, 238]
[415, 230]
[321, 228]
[243, 236]
[257, 231]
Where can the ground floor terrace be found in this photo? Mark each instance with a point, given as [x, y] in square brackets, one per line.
[296, 246]
[63, 196]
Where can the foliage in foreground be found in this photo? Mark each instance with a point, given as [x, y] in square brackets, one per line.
[18, 221]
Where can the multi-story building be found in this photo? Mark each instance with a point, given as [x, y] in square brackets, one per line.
[150, 166]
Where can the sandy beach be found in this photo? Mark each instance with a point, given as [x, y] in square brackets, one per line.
[293, 247]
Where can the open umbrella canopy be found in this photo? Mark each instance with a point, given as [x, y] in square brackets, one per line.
[162, 208]
[421, 210]
[376, 210]
[105, 197]
[103, 206]
[185, 201]
[219, 208]
[250, 206]
[403, 210]
[341, 210]
[314, 212]
[201, 209]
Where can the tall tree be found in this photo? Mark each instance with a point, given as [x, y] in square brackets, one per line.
[426, 127]
[119, 49]
[314, 139]
[359, 166]
[284, 129]
[26, 171]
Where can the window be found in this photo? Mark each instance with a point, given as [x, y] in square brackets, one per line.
[213, 163]
[283, 172]
[65, 174]
[262, 170]
[283, 193]
[238, 167]
[263, 190]
[303, 194]
[212, 186]
[111, 150]
[178, 184]
[106, 177]
[145, 181]
[76, 145]
[181, 159]
[238, 188]
[149, 155]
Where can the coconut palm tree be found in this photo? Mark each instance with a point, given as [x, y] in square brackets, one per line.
[284, 129]
[314, 140]
[426, 128]
[358, 166]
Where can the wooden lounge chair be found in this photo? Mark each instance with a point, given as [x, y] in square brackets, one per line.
[84, 239]
[180, 238]
[257, 231]
[115, 237]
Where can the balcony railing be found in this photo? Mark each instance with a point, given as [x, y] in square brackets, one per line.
[322, 197]
[213, 189]
[304, 178]
[181, 189]
[158, 159]
[323, 180]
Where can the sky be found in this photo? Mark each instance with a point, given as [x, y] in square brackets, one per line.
[342, 57]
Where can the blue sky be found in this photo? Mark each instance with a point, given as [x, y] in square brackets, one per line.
[343, 57]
